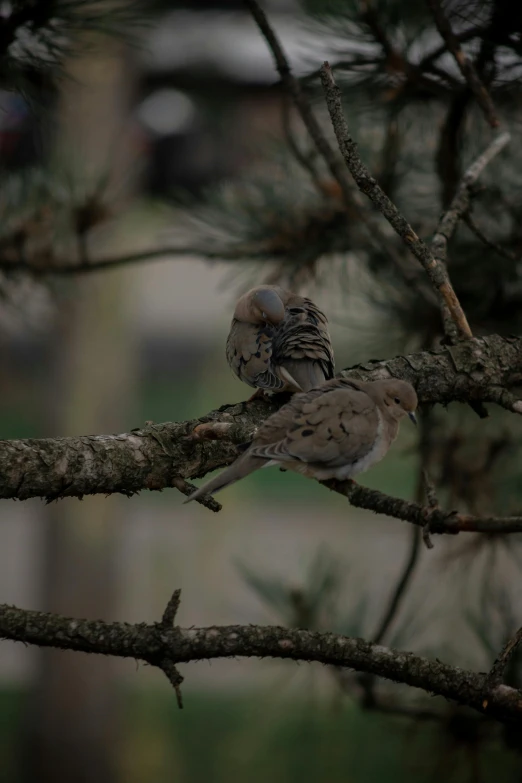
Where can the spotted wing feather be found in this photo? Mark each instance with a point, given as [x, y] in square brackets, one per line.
[302, 345]
[249, 354]
[333, 426]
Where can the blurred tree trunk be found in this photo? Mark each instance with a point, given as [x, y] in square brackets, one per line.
[72, 711]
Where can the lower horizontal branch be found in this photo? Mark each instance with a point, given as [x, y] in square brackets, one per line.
[158, 644]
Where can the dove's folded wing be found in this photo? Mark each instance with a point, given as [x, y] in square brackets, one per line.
[302, 345]
[249, 354]
[333, 427]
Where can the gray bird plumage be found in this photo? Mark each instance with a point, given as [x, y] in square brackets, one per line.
[279, 341]
[336, 430]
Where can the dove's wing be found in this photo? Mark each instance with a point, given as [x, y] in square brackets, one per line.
[333, 426]
[249, 354]
[302, 344]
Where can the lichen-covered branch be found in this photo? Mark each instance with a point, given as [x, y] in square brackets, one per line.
[368, 185]
[157, 456]
[153, 457]
[434, 520]
[167, 647]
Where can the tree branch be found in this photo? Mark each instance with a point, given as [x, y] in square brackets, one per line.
[496, 674]
[433, 519]
[67, 269]
[329, 154]
[165, 455]
[501, 251]
[166, 664]
[461, 201]
[437, 272]
[465, 65]
[293, 86]
[164, 647]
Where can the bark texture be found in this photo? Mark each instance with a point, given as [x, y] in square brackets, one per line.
[160, 645]
[154, 456]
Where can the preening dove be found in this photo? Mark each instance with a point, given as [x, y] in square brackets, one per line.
[279, 341]
[334, 431]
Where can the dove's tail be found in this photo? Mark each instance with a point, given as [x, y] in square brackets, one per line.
[242, 467]
[306, 373]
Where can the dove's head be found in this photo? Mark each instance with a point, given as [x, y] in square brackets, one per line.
[264, 304]
[398, 398]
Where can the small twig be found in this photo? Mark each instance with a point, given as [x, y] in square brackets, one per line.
[461, 201]
[166, 665]
[465, 35]
[305, 160]
[311, 123]
[300, 101]
[186, 488]
[64, 269]
[400, 589]
[477, 167]
[496, 674]
[174, 677]
[171, 610]
[429, 490]
[425, 447]
[368, 185]
[397, 61]
[439, 521]
[465, 65]
[404, 581]
[426, 537]
[501, 251]
[431, 497]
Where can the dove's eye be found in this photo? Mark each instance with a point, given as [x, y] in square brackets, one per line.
[397, 401]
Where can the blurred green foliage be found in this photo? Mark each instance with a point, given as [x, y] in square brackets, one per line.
[227, 738]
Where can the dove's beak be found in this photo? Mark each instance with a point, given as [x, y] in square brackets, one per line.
[413, 417]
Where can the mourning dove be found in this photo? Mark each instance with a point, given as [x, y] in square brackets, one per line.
[334, 431]
[279, 341]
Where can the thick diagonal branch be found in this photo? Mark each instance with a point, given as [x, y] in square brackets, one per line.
[368, 185]
[164, 455]
[158, 645]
